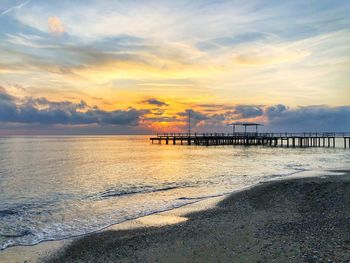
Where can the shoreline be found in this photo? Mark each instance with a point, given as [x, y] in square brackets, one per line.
[34, 252]
[159, 220]
[203, 200]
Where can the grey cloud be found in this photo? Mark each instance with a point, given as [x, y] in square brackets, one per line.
[7, 105]
[276, 110]
[247, 111]
[161, 119]
[14, 110]
[279, 118]
[310, 118]
[196, 116]
[157, 102]
[4, 97]
[41, 111]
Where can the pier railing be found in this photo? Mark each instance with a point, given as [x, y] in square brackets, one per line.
[260, 134]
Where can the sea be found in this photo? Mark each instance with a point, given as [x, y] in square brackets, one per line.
[53, 188]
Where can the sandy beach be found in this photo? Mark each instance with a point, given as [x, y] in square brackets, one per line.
[291, 220]
[294, 220]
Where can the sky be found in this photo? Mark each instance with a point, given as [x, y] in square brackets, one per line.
[138, 67]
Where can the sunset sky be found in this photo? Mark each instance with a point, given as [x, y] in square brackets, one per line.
[94, 67]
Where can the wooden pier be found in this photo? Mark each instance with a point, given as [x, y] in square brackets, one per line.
[301, 140]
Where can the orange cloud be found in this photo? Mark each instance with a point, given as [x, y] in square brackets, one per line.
[55, 25]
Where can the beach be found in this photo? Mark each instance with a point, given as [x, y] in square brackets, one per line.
[174, 131]
[290, 220]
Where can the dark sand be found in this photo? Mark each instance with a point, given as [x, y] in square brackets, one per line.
[296, 220]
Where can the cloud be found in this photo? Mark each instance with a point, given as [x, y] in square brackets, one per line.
[275, 111]
[309, 118]
[106, 60]
[268, 55]
[16, 7]
[7, 106]
[55, 25]
[247, 111]
[156, 102]
[196, 116]
[4, 96]
[252, 52]
[279, 118]
[15, 110]
[43, 111]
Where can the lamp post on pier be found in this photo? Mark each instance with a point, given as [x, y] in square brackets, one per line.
[189, 123]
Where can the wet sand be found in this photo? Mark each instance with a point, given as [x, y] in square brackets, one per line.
[294, 220]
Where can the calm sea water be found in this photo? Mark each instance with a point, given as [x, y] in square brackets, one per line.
[58, 187]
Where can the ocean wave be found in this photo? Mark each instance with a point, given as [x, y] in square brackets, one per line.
[29, 238]
[19, 234]
[203, 197]
[117, 192]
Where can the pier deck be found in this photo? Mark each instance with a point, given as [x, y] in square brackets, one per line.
[307, 139]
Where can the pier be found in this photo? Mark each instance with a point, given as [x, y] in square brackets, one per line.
[301, 140]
